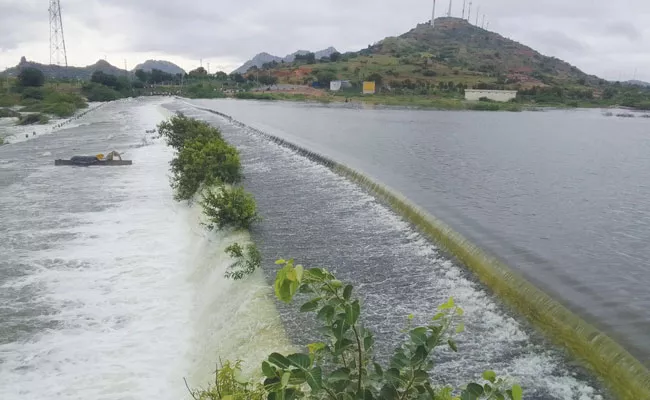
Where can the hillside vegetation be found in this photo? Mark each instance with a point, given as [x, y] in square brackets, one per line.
[444, 60]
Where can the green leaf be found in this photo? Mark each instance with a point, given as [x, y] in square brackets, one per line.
[315, 379]
[315, 273]
[310, 305]
[419, 336]
[339, 328]
[517, 392]
[285, 379]
[378, 370]
[490, 376]
[347, 292]
[326, 313]
[420, 377]
[336, 284]
[279, 360]
[448, 305]
[341, 374]
[316, 347]
[268, 370]
[280, 262]
[460, 328]
[452, 345]
[419, 356]
[475, 389]
[388, 393]
[393, 376]
[438, 316]
[460, 311]
[352, 312]
[368, 342]
[341, 345]
[302, 361]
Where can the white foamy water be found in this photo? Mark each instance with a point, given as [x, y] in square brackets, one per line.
[119, 294]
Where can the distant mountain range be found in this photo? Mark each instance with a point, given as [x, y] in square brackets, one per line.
[84, 73]
[263, 58]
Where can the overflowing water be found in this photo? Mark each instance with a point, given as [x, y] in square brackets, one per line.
[109, 289]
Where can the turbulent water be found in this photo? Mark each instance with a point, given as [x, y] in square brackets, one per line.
[111, 290]
[108, 288]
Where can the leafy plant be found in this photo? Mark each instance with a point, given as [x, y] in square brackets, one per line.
[246, 261]
[228, 384]
[229, 207]
[31, 119]
[204, 162]
[343, 366]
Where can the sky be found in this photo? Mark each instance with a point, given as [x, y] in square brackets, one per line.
[602, 37]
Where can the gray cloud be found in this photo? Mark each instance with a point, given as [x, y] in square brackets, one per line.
[599, 37]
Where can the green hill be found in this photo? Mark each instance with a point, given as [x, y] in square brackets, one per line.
[453, 51]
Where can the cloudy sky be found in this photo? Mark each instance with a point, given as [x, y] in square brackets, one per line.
[603, 37]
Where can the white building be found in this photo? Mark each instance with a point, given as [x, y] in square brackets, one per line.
[496, 95]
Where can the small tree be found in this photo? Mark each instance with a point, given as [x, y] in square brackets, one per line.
[246, 261]
[31, 77]
[229, 207]
[310, 58]
[336, 56]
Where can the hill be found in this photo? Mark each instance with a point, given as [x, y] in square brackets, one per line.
[60, 72]
[162, 65]
[454, 52]
[637, 83]
[262, 58]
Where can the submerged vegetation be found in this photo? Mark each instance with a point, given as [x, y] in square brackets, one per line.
[343, 366]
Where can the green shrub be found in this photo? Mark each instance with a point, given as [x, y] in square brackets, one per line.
[179, 129]
[31, 119]
[204, 162]
[229, 207]
[2, 141]
[98, 92]
[32, 93]
[343, 365]
[245, 263]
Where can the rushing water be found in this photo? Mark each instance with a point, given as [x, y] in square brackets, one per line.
[561, 196]
[111, 290]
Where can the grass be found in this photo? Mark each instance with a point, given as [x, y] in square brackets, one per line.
[623, 373]
[7, 113]
[60, 100]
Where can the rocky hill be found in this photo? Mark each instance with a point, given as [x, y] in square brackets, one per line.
[453, 52]
[263, 58]
[162, 65]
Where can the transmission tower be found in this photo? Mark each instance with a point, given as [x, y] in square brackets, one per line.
[57, 41]
[449, 12]
[469, 11]
[433, 14]
[464, 4]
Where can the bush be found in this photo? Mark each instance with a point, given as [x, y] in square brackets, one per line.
[229, 207]
[253, 96]
[32, 93]
[204, 162]
[99, 92]
[245, 263]
[343, 365]
[31, 119]
[179, 129]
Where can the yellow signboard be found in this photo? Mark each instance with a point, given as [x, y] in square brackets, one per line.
[368, 87]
